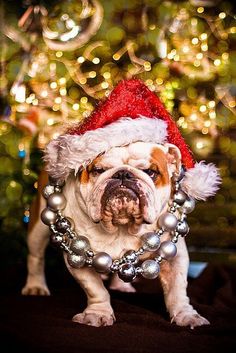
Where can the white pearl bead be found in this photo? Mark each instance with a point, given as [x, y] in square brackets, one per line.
[48, 217]
[182, 228]
[150, 269]
[76, 261]
[168, 221]
[102, 262]
[167, 250]
[180, 197]
[56, 201]
[189, 205]
[48, 190]
[151, 241]
[79, 245]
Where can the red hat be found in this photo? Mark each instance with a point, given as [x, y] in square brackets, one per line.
[131, 113]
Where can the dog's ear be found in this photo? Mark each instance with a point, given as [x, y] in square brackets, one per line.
[174, 158]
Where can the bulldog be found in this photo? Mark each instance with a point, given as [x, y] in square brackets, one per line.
[121, 211]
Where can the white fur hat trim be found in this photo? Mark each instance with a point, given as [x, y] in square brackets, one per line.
[69, 153]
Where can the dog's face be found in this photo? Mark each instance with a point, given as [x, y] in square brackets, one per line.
[128, 185]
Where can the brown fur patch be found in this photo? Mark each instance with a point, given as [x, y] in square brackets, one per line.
[84, 176]
[159, 162]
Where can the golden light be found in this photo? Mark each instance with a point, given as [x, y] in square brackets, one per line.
[217, 62]
[200, 9]
[202, 108]
[96, 60]
[147, 66]
[199, 56]
[92, 74]
[211, 104]
[62, 80]
[104, 85]
[107, 75]
[204, 47]
[222, 15]
[84, 100]
[159, 81]
[212, 115]
[63, 91]
[58, 100]
[75, 106]
[81, 59]
[195, 40]
[44, 93]
[203, 36]
[59, 54]
[50, 121]
[82, 80]
[53, 85]
[116, 57]
[232, 104]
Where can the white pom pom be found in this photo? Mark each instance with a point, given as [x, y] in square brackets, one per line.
[201, 181]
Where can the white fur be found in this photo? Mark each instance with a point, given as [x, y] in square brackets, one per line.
[71, 152]
[202, 181]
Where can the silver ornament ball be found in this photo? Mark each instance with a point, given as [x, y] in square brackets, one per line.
[48, 217]
[127, 273]
[63, 224]
[167, 250]
[180, 197]
[131, 256]
[188, 205]
[168, 221]
[57, 238]
[150, 269]
[182, 228]
[48, 190]
[102, 262]
[151, 241]
[56, 201]
[79, 245]
[76, 261]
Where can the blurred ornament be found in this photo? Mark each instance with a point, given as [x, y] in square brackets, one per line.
[75, 37]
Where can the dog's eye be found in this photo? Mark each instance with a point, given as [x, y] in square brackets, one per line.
[152, 173]
[97, 171]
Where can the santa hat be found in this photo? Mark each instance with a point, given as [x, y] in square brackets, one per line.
[131, 113]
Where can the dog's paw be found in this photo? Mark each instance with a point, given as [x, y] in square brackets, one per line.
[95, 318]
[192, 319]
[35, 290]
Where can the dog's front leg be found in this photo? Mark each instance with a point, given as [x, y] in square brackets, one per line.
[37, 241]
[99, 311]
[173, 277]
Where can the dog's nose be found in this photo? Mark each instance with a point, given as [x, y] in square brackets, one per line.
[123, 175]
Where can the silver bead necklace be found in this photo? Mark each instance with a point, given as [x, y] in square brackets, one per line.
[129, 266]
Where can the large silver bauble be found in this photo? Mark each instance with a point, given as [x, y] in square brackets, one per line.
[56, 201]
[182, 228]
[168, 221]
[151, 241]
[102, 262]
[167, 250]
[63, 224]
[150, 269]
[131, 256]
[180, 197]
[48, 217]
[188, 205]
[79, 245]
[127, 273]
[76, 261]
[48, 190]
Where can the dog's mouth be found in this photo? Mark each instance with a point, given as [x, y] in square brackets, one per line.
[122, 204]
